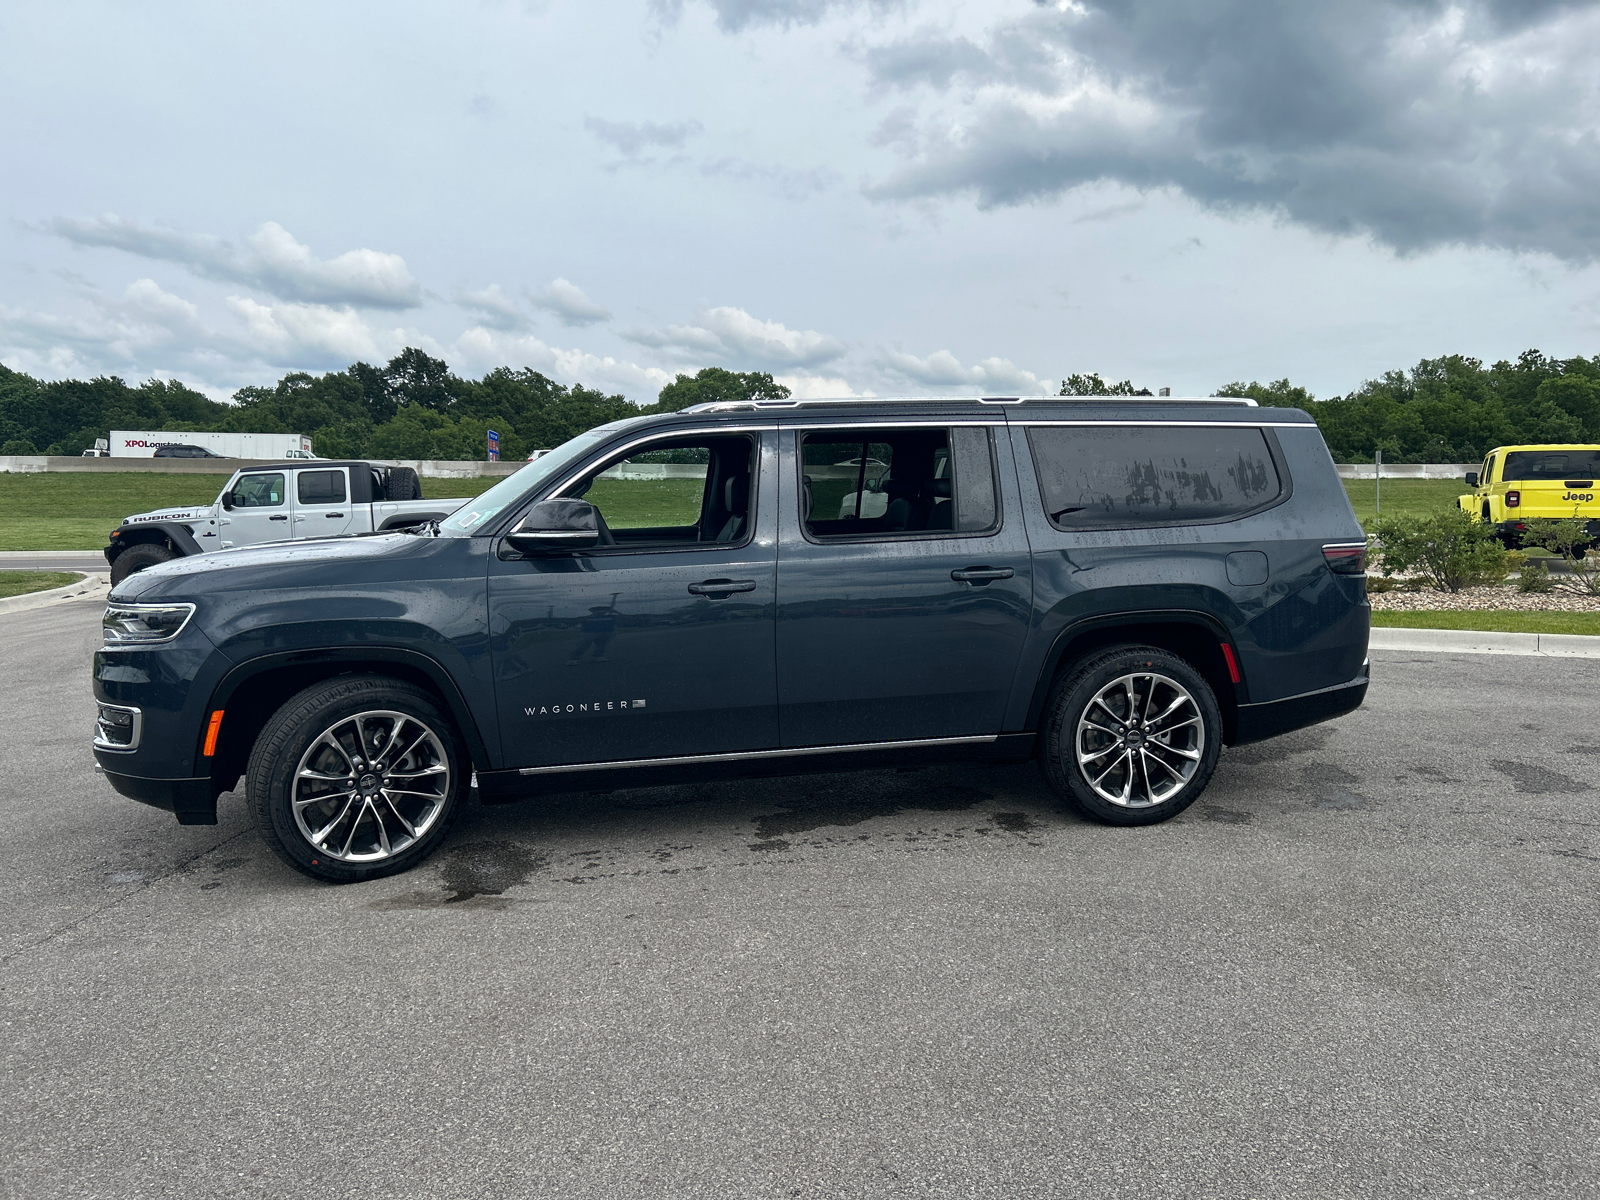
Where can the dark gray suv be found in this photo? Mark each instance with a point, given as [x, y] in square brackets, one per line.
[1117, 588]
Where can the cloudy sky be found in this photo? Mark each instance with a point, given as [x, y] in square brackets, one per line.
[860, 196]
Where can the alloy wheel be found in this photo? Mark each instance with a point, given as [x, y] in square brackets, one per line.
[1140, 740]
[370, 786]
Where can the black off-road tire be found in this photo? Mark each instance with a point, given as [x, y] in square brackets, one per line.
[403, 484]
[1074, 693]
[137, 558]
[290, 733]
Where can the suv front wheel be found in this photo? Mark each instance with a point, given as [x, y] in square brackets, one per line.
[1131, 735]
[355, 778]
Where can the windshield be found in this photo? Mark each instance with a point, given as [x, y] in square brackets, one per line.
[474, 514]
[1524, 465]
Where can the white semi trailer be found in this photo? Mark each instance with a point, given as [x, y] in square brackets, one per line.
[143, 443]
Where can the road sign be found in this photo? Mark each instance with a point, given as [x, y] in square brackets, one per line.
[494, 445]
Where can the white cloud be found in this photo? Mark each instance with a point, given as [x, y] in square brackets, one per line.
[732, 336]
[569, 304]
[630, 138]
[805, 386]
[482, 349]
[941, 369]
[272, 261]
[494, 308]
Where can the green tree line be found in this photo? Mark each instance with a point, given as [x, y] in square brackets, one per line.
[415, 407]
[1450, 409]
[1444, 410]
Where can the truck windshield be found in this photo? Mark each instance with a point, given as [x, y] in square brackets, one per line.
[474, 514]
[1523, 465]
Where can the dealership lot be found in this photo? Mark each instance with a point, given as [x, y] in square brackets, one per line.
[1364, 964]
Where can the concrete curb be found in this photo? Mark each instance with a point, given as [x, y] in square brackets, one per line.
[91, 587]
[1468, 641]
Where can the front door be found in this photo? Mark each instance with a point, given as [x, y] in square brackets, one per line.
[261, 510]
[903, 583]
[659, 642]
[322, 502]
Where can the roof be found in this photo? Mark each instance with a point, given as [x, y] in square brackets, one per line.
[942, 401]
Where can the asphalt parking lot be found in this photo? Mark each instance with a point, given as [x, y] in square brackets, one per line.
[1365, 964]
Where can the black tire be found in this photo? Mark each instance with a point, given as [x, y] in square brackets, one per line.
[403, 484]
[1071, 717]
[137, 558]
[297, 732]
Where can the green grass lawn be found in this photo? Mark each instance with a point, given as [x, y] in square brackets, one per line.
[19, 583]
[1493, 621]
[77, 511]
[1404, 497]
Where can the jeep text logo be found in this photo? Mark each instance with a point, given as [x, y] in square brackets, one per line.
[1578, 496]
[593, 706]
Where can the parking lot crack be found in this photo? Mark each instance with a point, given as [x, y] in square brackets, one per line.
[142, 885]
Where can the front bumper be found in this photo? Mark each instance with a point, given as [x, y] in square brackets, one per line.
[1257, 722]
[190, 800]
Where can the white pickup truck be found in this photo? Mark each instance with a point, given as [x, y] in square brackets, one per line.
[275, 503]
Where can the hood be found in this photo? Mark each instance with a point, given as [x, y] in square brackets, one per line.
[192, 513]
[307, 562]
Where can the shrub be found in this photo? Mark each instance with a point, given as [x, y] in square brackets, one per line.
[1535, 578]
[18, 446]
[1450, 549]
[1566, 536]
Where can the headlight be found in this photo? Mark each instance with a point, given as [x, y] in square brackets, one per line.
[144, 624]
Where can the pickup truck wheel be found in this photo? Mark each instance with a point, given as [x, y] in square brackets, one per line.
[356, 778]
[1132, 735]
[137, 558]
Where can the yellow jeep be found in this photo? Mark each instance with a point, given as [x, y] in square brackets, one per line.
[1518, 483]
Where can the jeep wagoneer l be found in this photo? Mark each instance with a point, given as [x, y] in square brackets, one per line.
[1117, 588]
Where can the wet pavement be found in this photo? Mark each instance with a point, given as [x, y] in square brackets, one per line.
[1364, 964]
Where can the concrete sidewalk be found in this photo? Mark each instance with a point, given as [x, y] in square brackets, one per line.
[1468, 641]
[52, 560]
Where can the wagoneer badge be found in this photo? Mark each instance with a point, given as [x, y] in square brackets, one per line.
[594, 706]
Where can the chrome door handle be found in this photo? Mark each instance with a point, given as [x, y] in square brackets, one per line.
[981, 575]
[718, 588]
[278, 517]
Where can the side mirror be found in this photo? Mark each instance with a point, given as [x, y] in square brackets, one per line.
[556, 525]
[1472, 479]
[227, 500]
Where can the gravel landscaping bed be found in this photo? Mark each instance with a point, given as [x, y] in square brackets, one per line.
[1502, 597]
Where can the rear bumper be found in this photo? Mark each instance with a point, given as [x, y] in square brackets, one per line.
[190, 800]
[1257, 722]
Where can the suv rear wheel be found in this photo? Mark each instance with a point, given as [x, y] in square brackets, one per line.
[356, 778]
[1131, 735]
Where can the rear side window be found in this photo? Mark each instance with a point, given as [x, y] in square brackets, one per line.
[1093, 477]
[891, 483]
[320, 487]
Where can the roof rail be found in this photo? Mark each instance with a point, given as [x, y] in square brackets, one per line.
[754, 405]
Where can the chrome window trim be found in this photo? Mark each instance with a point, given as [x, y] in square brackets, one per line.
[137, 732]
[1033, 421]
[746, 755]
[658, 435]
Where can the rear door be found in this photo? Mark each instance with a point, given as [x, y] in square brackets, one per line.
[322, 505]
[904, 585]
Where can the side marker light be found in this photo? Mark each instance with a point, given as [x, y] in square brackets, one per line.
[1233, 663]
[212, 730]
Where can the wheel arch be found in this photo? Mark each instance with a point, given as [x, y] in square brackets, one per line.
[1195, 637]
[276, 677]
[173, 536]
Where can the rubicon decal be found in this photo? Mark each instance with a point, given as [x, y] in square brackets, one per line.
[589, 708]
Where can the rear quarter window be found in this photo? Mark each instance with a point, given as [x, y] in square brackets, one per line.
[1100, 477]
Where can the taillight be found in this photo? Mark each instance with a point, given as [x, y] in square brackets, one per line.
[1513, 499]
[1346, 558]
